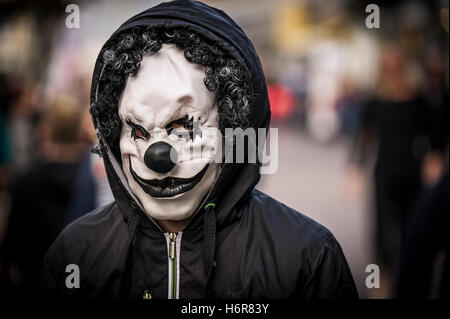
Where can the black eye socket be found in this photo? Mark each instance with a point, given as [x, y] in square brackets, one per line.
[191, 129]
[137, 131]
[185, 122]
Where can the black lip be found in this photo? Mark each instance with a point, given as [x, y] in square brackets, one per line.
[168, 186]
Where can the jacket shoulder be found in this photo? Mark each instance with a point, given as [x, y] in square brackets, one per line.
[78, 240]
[278, 215]
[304, 246]
[90, 227]
[82, 243]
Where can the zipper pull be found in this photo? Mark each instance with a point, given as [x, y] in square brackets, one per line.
[172, 239]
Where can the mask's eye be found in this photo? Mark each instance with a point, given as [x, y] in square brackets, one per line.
[182, 127]
[137, 131]
[177, 125]
[181, 124]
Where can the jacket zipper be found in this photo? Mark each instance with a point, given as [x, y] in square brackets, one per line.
[173, 263]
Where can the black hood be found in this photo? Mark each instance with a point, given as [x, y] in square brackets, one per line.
[235, 180]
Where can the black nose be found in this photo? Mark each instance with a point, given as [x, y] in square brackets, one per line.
[157, 157]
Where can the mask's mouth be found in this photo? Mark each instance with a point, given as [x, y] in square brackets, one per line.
[168, 186]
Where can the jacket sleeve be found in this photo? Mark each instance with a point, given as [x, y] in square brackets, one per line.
[330, 276]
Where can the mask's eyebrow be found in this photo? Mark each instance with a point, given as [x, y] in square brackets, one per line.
[137, 127]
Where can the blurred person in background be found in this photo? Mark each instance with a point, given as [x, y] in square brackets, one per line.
[5, 152]
[22, 118]
[5, 144]
[424, 270]
[91, 185]
[348, 107]
[437, 96]
[17, 121]
[40, 197]
[398, 121]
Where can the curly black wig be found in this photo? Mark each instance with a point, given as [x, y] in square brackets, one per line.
[123, 55]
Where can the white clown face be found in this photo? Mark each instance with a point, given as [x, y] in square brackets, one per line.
[158, 109]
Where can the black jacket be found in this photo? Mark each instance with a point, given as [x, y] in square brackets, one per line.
[247, 246]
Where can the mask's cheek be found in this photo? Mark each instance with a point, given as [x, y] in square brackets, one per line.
[128, 146]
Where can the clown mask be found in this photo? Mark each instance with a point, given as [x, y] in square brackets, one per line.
[169, 135]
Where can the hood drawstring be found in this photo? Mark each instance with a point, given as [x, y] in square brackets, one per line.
[209, 242]
[132, 221]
